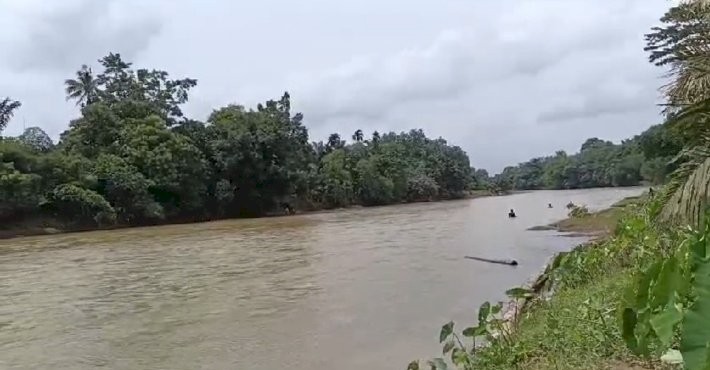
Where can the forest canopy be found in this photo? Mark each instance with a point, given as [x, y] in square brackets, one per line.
[133, 158]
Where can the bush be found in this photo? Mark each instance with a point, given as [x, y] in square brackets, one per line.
[84, 207]
[579, 212]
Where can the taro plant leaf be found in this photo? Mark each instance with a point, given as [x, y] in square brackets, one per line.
[448, 346]
[414, 365]
[446, 331]
[518, 293]
[628, 328]
[483, 312]
[695, 329]
[667, 283]
[643, 332]
[470, 332]
[664, 322]
[644, 285]
[438, 364]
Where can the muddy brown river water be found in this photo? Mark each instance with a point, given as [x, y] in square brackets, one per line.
[363, 288]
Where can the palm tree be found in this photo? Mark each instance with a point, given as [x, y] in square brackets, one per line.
[357, 136]
[7, 109]
[334, 142]
[375, 137]
[84, 89]
[684, 45]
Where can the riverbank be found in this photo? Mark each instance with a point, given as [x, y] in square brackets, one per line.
[43, 225]
[567, 317]
[595, 224]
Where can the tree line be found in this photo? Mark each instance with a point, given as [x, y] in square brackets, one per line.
[645, 158]
[133, 158]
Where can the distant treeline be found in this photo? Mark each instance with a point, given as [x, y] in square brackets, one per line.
[133, 158]
[646, 158]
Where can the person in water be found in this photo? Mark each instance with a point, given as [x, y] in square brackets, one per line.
[549, 205]
[511, 214]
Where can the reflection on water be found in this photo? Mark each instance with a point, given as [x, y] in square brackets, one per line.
[362, 288]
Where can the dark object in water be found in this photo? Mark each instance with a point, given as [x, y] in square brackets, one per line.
[511, 214]
[549, 205]
[500, 262]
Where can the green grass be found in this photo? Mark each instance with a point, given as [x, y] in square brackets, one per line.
[579, 326]
[637, 200]
[602, 222]
[573, 330]
[598, 223]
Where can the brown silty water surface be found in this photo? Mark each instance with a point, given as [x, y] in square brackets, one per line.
[357, 289]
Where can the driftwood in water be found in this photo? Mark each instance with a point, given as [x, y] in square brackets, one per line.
[500, 262]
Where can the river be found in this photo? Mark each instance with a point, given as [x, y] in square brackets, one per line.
[362, 288]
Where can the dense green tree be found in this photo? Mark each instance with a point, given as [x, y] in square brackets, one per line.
[84, 207]
[334, 143]
[132, 158]
[263, 154]
[599, 163]
[37, 139]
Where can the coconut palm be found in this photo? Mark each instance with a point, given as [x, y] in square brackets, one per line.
[357, 136]
[684, 45]
[84, 89]
[7, 109]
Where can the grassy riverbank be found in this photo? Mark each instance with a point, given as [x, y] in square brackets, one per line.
[35, 226]
[602, 223]
[578, 327]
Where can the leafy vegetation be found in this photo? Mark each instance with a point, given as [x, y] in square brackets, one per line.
[645, 158]
[133, 158]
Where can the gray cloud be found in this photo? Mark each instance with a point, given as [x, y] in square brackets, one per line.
[507, 83]
[67, 37]
[506, 80]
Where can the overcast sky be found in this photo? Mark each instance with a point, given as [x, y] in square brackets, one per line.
[506, 80]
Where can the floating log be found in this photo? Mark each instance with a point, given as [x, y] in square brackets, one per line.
[500, 262]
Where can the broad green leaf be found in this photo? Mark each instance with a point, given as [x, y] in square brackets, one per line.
[470, 332]
[644, 285]
[673, 357]
[695, 331]
[664, 322]
[483, 312]
[667, 283]
[438, 364]
[446, 330]
[643, 331]
[448, 346]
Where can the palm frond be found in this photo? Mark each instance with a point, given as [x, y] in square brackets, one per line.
[7, 110]
[691, 74]
[686, 196]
